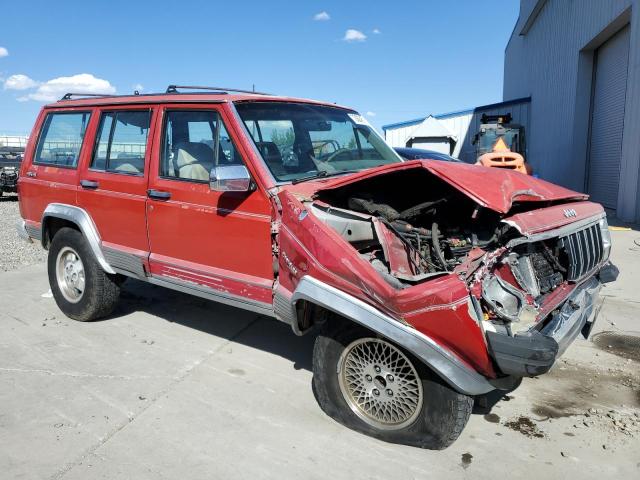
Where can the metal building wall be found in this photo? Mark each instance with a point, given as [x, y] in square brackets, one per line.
[397, 136]
[550, 58]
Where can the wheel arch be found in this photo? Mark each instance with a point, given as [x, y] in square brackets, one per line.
[446, 365]
[59, 215]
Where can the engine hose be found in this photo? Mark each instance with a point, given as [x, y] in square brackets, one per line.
[436, 245]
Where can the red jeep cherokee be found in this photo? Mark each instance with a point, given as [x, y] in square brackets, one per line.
[431, 283]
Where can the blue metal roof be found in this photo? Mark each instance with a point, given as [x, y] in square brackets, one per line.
[481, 108]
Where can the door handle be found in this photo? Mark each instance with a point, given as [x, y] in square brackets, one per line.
[158, 194]
[31, 174]
[89, 184]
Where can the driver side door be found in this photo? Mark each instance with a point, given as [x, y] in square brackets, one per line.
[215, 244]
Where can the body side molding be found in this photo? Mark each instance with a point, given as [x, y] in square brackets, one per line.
[82, 219]
[210, 294]
[452, 370]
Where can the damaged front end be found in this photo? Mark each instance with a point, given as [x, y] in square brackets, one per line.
[504, 284]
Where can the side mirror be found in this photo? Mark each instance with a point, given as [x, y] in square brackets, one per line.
[230, 178]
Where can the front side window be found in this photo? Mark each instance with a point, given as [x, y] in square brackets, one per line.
[195, 141]
[122, 142]
[61, 139]
[297, 140]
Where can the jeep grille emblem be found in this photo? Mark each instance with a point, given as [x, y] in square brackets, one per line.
[570, 212]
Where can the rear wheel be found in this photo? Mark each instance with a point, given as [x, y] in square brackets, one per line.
[371, 385]
[82, 290]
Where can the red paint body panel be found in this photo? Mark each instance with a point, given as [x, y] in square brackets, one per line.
[549, 218]
[493, 188]
[229, 231]
[117, 206]
[48, 182]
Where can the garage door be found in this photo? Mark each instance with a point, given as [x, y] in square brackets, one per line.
[607, 119]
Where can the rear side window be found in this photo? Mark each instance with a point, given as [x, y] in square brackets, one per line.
[61, 139]
[121, 142]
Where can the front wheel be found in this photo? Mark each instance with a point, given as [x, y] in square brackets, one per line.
[82, 290]
[371, 385]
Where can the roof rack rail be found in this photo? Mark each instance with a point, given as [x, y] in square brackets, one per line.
[174, 89]
[68, 96]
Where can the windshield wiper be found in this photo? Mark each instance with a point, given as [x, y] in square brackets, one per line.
[321, 174]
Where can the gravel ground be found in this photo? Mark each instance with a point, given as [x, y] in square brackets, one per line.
[15, 252]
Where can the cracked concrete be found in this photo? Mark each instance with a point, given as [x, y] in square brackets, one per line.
[177, 387]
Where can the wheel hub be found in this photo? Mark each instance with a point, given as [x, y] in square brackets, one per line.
[70, 274]
[380, 384]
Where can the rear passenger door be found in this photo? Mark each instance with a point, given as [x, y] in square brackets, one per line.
[113, 185]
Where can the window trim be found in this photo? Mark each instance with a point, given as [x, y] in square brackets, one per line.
[96, 142]
[161, 150]
[42, 136]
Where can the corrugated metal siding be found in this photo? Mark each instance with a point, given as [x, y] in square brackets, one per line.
[544, 63]
[397, 137]
[607, 122]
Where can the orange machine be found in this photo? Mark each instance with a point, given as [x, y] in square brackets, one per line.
[502, 157]
[501, 144]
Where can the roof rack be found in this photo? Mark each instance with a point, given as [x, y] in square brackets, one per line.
[68, 96]
[174, 89]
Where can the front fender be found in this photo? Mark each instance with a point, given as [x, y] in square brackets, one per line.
[450, 368]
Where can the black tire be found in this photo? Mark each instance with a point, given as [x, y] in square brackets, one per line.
[101, 290]
[443, 415]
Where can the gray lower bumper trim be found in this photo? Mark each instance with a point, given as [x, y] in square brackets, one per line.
[446, 365]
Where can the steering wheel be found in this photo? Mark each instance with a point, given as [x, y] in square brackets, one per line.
[337, 153]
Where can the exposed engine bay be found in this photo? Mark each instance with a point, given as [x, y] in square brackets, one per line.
[411, 226]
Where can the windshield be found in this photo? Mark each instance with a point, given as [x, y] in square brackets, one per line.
[298, 140]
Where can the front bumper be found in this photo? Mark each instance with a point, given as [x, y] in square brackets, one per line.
[533, 353]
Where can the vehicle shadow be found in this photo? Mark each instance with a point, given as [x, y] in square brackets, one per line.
[8, 197]
[266, 334]
[263, 333]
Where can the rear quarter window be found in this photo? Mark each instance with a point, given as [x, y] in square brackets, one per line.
[61, 139]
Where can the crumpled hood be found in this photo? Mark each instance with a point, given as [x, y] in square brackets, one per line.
[493, 188]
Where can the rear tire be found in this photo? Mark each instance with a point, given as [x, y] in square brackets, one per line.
[433, 421]
[80, 287]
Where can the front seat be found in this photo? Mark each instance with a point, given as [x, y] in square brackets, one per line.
[193, 160]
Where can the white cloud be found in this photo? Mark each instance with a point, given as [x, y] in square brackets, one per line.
[322, 17]
[352, 35]
[376, 31]
[138, 87]
[54, 89]
[3, 52]
[19, 82]
[371, 114]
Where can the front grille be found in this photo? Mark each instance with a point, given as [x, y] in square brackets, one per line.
[584, 250]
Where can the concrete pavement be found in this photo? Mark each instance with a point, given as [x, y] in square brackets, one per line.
[174, 386]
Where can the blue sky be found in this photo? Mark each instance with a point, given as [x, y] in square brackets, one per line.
[396, 60]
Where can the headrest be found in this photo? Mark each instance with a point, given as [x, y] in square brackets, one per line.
[269, 150]
[193, 152]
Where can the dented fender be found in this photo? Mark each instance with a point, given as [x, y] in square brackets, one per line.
[448, 366]
[439, 309]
